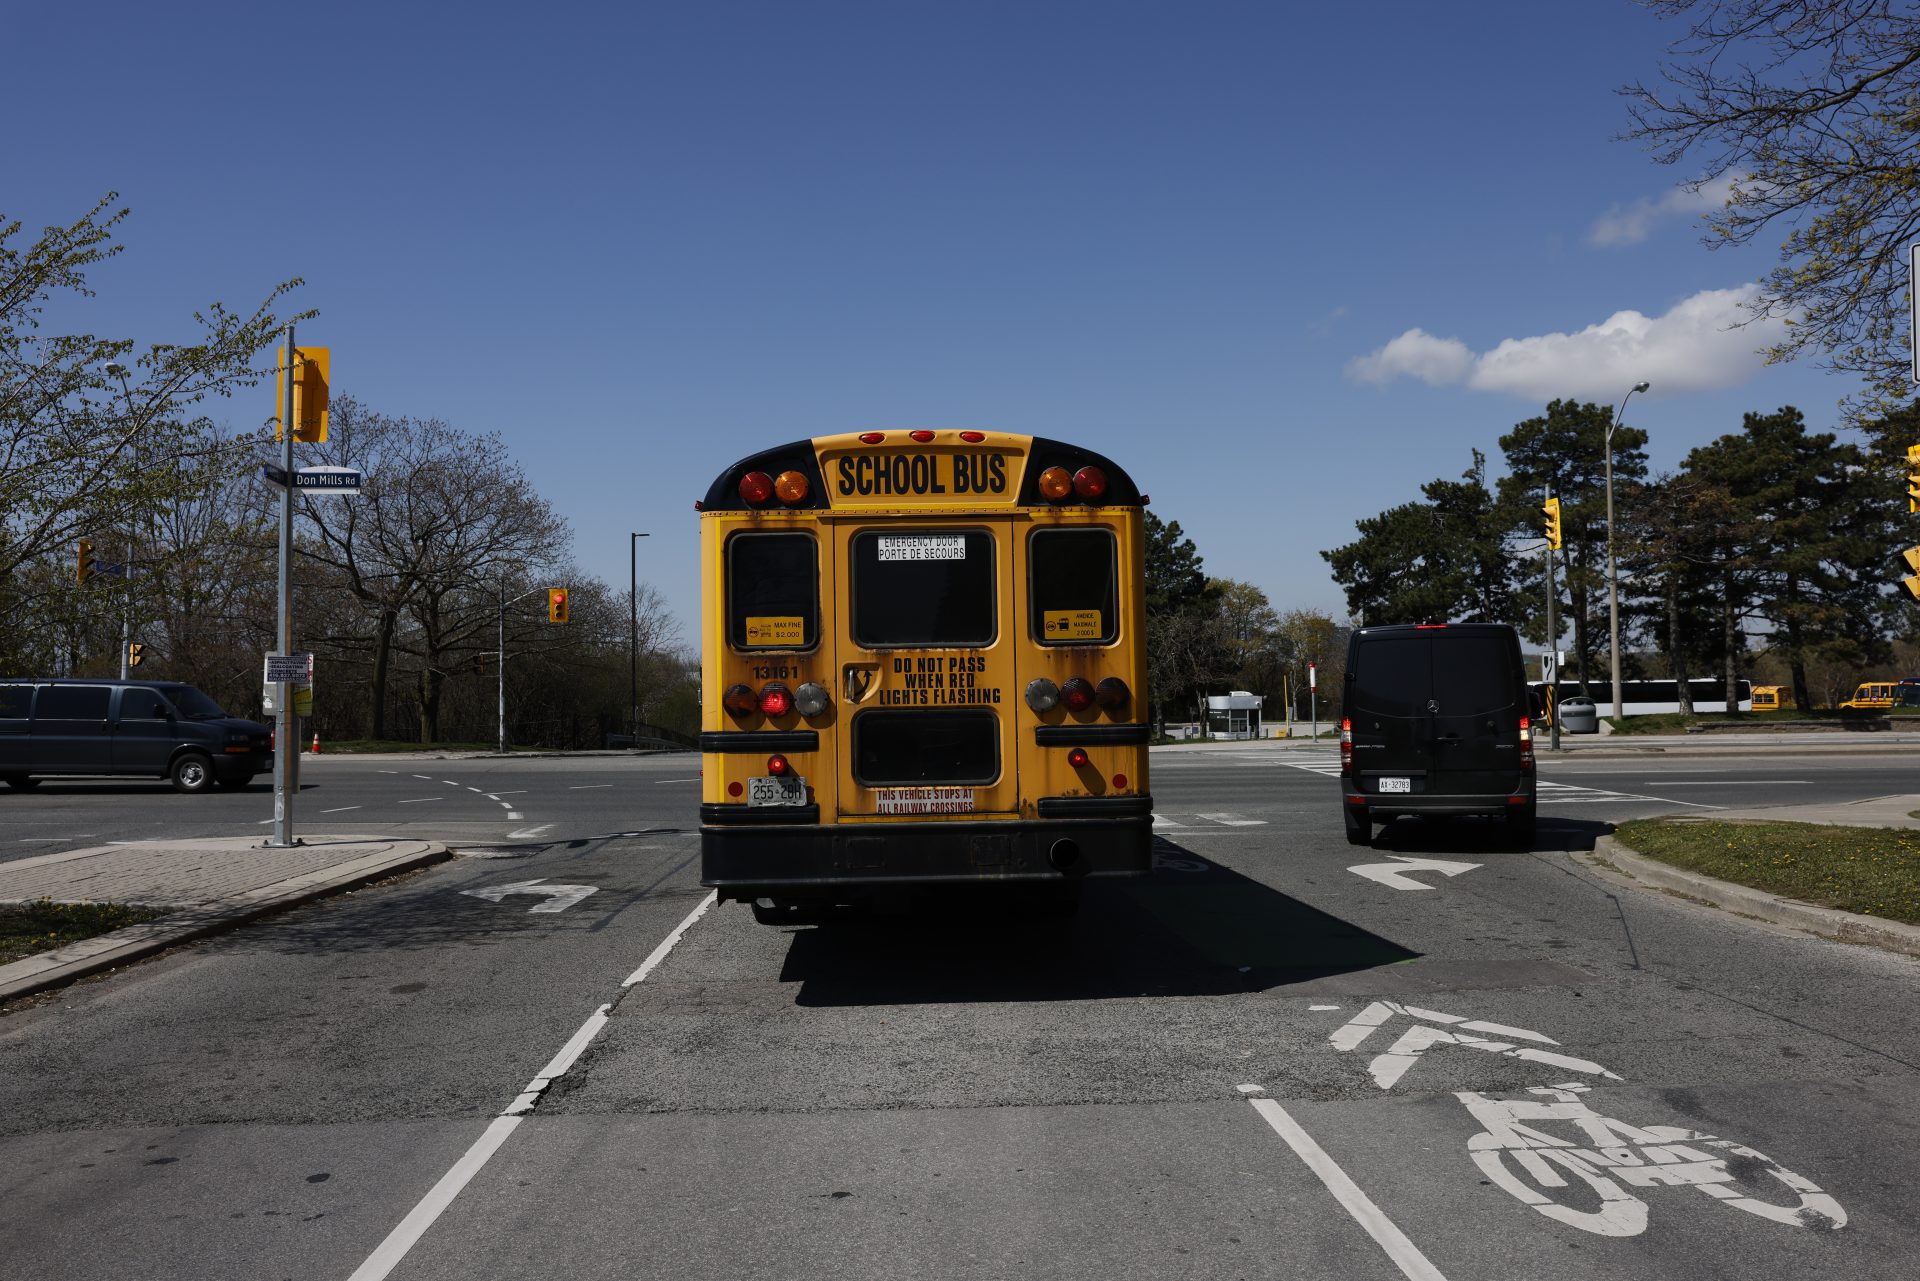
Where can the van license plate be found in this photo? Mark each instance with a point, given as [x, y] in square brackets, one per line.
[1396, 784]
[783, 789]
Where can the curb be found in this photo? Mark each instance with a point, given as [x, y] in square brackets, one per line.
[1826, 922]
[63, 965]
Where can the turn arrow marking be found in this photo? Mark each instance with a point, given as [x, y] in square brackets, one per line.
[559, 897]
[1395, 874]
[1454, 1029]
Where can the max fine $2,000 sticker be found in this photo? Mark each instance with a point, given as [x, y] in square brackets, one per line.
[925, 800]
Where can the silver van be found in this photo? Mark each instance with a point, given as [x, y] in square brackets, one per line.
[144, 729]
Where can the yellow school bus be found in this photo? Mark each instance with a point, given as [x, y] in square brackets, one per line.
[1871, 696]
[1772, 698]
[923, 663]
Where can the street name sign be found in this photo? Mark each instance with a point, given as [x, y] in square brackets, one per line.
[315, 480]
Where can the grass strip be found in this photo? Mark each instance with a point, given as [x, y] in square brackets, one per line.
[41, 926]
[1874, 871]
[1786, 722]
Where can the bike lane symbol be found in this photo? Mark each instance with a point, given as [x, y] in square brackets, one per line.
[1572, 1164]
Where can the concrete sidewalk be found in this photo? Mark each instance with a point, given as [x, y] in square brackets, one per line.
[213, 884]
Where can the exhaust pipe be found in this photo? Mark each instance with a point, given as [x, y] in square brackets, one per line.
[1065, 857]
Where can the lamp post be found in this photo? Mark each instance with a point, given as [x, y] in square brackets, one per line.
[633, 639]
[119, 371]
[1613, 572]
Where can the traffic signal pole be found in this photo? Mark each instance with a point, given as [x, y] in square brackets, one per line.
[285, 740]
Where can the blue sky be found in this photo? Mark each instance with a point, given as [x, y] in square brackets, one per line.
[1285, 263]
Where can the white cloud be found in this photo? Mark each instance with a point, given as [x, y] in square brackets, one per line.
[1414, 354]
[1631, 224]
[1694, 346]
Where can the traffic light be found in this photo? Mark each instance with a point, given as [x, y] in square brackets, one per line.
[1912, 583]
[312, 375]
[556, 604]
[83, 569]
[1913, 478]
[136, 653]
[1552, 511]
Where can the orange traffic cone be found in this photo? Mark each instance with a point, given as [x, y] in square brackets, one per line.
[316, 742]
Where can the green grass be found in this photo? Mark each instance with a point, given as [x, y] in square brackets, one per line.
[1677, 722]
[1874, 871]
[43, 925]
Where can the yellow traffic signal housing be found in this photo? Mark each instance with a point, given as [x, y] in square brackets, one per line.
[1912, 556]
[311, 378]
[1913, 478]
[557, 605]
[83, 568]
[136, 653]
[1552, 511]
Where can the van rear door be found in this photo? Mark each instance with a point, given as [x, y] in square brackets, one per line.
[1390, 687]
[1476, 712]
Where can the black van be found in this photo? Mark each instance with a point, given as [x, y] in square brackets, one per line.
[1436, 722]
[149, 729]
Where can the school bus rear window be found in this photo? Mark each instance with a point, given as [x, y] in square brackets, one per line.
[1074, 598]
[922, 588]
[892, 749]
[773, 591]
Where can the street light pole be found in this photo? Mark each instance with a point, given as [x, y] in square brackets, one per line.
[119, 371]
[1613, 572]
[633, 639]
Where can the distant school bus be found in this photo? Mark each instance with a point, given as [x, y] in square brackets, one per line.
[1772, 698]
[1872, 696]
[923, 664]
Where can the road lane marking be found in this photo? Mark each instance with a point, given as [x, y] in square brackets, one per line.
[1234, 820]
[558, 897]
[428, 777]
[518, 791]
[528, 833]
[1395, 874]
[1728, 782]
[490, 796]
[343, 809]
[587, 787]
[473, 789]
[1387, 1068]
[658, 781]
[1405, 1254]
[517, 815]
[421, 800]
[387, 1256]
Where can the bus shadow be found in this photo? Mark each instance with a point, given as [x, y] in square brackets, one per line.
[1191, 928]
[1483, 836]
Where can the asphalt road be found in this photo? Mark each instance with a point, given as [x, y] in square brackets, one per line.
[1257, 1062]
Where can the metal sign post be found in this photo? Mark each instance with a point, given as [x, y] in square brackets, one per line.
[284, 733]
[1313, 696]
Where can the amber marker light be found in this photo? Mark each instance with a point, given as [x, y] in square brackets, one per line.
[791, 488]
[740, 700]
[1055, 484]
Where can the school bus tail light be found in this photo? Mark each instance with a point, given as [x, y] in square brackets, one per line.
[1042, 694]
[755, 488]
[778, 767]
[1077, 694]
[1055, 484]
[1112, 693]
[775, 699]
[1078, 758]
[810, 699]
[1090, 483]
[791, 488]
[740, 700]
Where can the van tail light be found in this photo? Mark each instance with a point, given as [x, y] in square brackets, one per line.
[1346, 747]
[1077, 694]
[778, 767]
[776, 699]
[1526, 746]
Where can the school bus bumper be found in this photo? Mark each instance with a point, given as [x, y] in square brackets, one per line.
[745, 856]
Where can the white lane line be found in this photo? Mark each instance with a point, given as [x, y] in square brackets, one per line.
[587, 787]
[474, 789]
[490, 796]
[1234, 820]
[389, 771]
[518, 791]
[263, 822]
[145, 840]
[528, 833]
[41, 840]
[1405, 1254]
[428, 777]
[388, 1255]
[1728, 782]
[518, 814]
[421, 800]
[449, 782]
[658, 781]
[341, 810]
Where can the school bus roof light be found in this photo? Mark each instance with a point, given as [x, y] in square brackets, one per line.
[791, 488]
[922, 436]
[810, 699]
[1090, 483]
[1077, 693]
[1055, 484]
[775, 699]
[1042, 694]
[872, 437]
[740, 701]
[1112, 693]
[973, 437]
[755, 488]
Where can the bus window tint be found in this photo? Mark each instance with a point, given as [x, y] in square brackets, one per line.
[773, 592]
[1390, 676]
[923, 588]
[1074, 596]
[1472, 675]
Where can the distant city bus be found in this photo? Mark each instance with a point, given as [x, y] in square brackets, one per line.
[1640, 698]
[923, 665]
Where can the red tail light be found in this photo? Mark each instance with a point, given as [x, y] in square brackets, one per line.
[1077, 694]
[922, 436]
[756, 487]
[1526, 744]
[778, 767]
[1090, 483]
[1346, 747]
[1078, 758]
[776, 699]
[872, 437]
[1112, 693]
[740, 700]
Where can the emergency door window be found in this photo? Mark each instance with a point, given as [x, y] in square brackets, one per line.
[1075, 592]
[773, 591]
[923, 589]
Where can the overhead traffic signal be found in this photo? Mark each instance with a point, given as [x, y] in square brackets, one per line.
[557, 605]
[136, 653]
[83, 568]
[311, 377]
[1913, 478]
[1551, 509]
[1912, 583]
